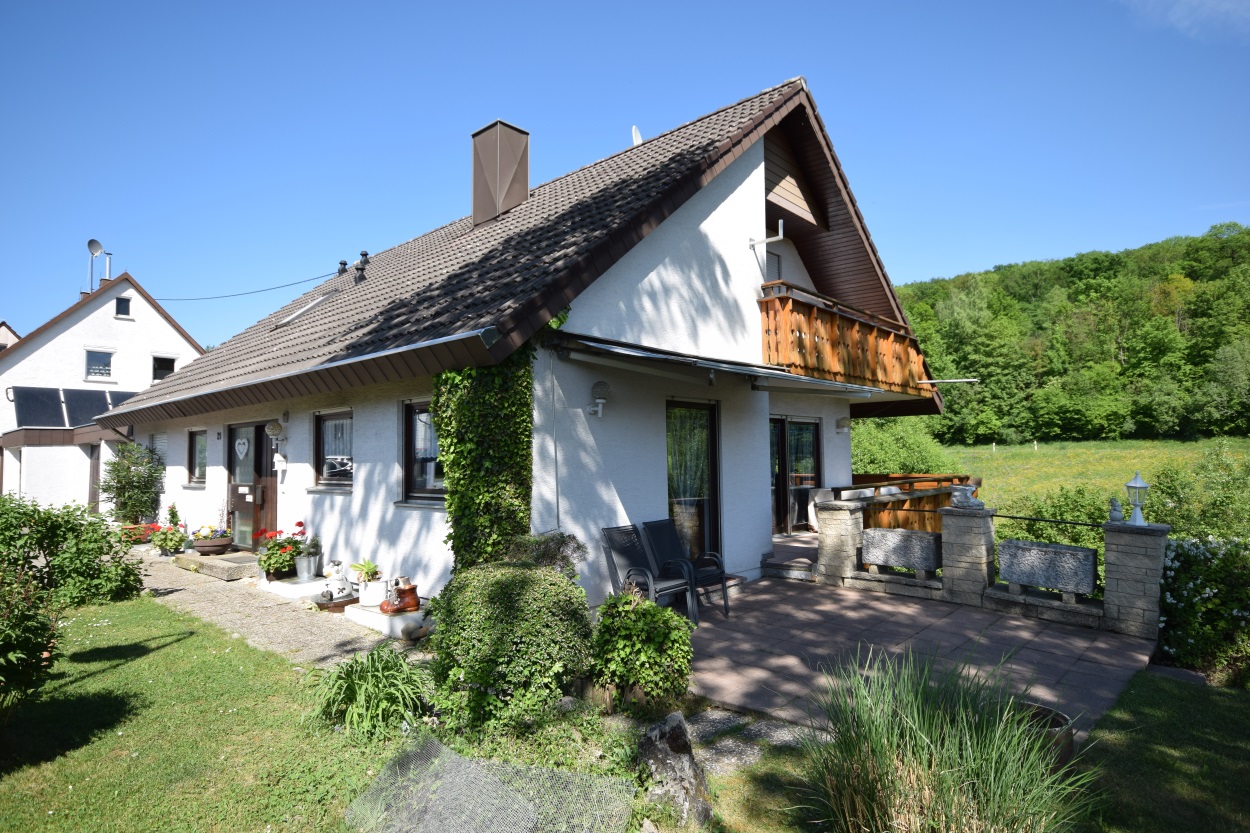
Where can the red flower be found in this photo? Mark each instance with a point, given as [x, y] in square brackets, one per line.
[299, 523]
[257, 534]
[285, 549]
[271, 535]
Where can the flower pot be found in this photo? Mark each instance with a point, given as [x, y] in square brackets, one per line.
[306, 567]
[372, 593]
[271, 575]
[213, 546]
[1056, 726]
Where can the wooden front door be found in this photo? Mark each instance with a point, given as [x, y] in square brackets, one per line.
[252, 494]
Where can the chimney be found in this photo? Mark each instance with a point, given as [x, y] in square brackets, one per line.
[501, 170]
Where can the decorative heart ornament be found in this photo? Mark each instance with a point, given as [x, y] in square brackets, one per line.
[240, 447]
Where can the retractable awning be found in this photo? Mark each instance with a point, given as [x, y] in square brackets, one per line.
[686, 367]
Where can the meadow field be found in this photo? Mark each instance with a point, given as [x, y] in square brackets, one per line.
[1011, 472]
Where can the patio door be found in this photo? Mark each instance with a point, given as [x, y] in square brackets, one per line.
[693, 474]
[252, 493]
[794, 451]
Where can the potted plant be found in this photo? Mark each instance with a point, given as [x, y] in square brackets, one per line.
[308, 563]
[372, 589]
[278, 556]
[212, 540]
[169, 539]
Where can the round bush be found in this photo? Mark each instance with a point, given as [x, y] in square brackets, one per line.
[640, 644]
[508, 639]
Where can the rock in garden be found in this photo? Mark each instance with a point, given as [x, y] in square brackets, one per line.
[675, 775]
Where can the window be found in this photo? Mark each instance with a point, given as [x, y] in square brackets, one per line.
[99, 364]
[161, 367]
[121, 307]
[773, 266]
[423, 473]
[197, 456]
[334, 449]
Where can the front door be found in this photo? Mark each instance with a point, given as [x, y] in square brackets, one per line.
[253, 496]
[693, 476]
[795, 457]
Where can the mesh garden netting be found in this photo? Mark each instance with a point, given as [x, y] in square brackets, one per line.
[428, 788]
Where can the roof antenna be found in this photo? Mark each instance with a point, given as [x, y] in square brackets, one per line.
[637, 136]
[94, 247]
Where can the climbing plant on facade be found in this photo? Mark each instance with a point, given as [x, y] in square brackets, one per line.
[483, 417]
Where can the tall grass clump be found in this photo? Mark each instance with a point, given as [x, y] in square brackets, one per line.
[909, 748]
[372, 695]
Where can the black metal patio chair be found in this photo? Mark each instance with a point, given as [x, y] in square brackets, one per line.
[709, 568]
[629, 561]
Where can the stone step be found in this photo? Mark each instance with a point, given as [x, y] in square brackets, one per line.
[711, 595]
[396, 626]
[799, 569]
[229, 567]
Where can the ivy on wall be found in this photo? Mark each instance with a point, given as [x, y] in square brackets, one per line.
[484, 419]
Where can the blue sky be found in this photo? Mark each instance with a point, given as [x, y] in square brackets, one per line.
[225, 147]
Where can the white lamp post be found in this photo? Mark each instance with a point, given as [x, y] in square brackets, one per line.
[1137, 489]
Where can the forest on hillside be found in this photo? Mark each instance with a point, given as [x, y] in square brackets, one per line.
[1148, 342]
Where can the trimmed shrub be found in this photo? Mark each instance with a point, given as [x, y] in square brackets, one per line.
[1205, 608]
[901, 445]
[908, 748]
[375, 695]
[548, 549]
[27, 636]
[509, 638]
[641, 644]
[68, 551]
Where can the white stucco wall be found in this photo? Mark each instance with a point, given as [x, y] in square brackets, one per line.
[368, 522]
[793, 269]
[55, 475]
[691, 285]
[593, 472]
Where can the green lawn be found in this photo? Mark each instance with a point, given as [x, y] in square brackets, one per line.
[158, 721]
[1011, 472]
[1175, 757]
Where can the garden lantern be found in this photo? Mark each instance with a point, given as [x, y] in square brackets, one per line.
[1137, 489]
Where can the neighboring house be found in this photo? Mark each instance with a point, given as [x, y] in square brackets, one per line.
[92, 357]
[7, 336]
[729, 373]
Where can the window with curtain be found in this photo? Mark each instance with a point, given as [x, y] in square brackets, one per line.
[334, 449]
[423, 473]
[197, 456]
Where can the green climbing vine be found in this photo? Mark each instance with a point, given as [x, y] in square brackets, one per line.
[484, 418]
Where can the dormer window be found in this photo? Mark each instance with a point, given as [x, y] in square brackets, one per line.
[121, 307]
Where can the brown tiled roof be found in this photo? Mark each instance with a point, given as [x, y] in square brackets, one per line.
[461, 295]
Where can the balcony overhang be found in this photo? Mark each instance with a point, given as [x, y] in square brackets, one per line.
[697, 369]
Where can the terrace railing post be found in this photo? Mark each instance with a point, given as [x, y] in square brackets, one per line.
[841, 537]
[967, 553]
[1134, 568]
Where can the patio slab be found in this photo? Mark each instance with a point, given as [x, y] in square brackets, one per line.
[769, 654]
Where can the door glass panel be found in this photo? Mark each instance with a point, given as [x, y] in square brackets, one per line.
[242, 472]
[802, 447]
[692, 476]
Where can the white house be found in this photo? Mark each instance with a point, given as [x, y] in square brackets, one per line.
[93, 356]
[727, 317]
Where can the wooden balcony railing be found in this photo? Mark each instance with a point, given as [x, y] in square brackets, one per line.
[812, 335]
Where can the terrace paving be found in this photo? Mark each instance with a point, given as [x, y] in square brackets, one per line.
[772, 651]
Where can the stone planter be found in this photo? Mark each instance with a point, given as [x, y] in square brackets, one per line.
[1058, 727]
[213, 546]
[306, 567]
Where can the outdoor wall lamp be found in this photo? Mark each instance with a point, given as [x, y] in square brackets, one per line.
[600, 393]
[842, 426]
[1137, 489]
[274, 431]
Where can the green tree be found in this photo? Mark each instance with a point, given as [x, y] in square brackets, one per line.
[133, 481]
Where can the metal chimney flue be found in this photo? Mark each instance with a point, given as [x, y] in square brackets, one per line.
[501, 170]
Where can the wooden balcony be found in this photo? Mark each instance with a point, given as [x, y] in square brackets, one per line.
[811, 335]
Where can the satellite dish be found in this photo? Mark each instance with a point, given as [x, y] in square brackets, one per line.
[94, 247]
[637, 136]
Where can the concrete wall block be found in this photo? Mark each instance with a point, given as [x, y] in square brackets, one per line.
[961, 597]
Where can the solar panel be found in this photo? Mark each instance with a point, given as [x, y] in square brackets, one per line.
[117, 397]
[38, 407]
[83, 406]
